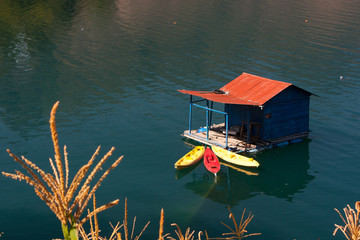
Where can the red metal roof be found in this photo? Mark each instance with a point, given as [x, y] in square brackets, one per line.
[247, 89]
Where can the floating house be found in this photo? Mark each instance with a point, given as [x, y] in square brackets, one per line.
[258, 113]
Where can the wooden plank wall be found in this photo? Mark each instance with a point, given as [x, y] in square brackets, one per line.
[289, 114]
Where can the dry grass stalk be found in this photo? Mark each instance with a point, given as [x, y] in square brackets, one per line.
[125, 221]
[94, 225]
[54, 190]
[351, 229]
[94, 229]
[83, 234]
[125, 226]
[66, 167]
[96, 220]
[161, 226]
[239, 231]
[116, 234]
[188, 235]
[206, 235]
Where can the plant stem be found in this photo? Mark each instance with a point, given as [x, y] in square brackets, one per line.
[69, 235]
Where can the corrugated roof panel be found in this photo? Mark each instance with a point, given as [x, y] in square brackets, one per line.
[247, 89]
[254, 88]
[264, 92]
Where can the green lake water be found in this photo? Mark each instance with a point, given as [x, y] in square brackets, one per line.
[115, 66]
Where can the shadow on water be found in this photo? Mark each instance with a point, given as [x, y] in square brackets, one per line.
[281, 174]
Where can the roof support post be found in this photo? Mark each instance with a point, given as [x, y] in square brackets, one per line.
[208, 112]
[190, 113]
[207, 120]
[227, 129]
[211, 106]
[248, 128]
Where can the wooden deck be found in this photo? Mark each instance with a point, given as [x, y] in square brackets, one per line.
[237, 142]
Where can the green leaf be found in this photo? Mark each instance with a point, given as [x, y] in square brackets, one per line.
[73, 234]
[65, 232]
[69, 235]
[72, 220]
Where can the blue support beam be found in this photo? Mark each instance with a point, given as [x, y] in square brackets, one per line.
[207, 120]
[190, 114]
[206, 108]
[211, 106]
[248, 128]
[227, 129]
[209, 111]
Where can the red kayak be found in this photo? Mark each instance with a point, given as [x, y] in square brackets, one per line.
[211, 162]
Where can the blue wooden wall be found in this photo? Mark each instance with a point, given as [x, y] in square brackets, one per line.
[288, 111]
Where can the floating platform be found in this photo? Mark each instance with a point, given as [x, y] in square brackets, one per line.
[236, 141]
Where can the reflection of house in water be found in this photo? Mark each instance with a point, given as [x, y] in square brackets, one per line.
[283, 173]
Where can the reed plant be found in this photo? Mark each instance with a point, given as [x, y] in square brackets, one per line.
[119, 232]
[67, 200]
[161, 226]
[125, 225]
[351, 229]
[189, 235]
[239, 231]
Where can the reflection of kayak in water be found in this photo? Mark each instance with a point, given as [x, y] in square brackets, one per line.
[211, 162]
[182, 172]
[234, 158]
[190, 158]
[239, 169]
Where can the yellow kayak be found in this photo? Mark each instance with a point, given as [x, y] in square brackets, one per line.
[190, 158]
[234, 158]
